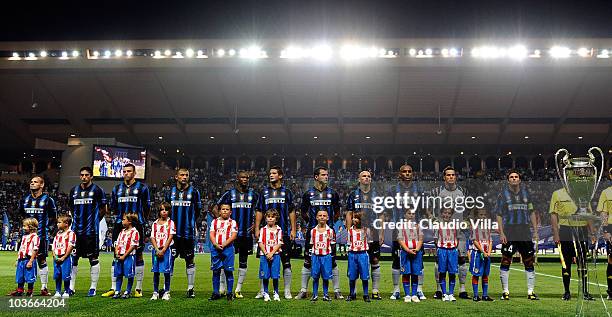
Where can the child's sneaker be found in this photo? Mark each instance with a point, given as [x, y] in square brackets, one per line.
[276, 297]
[445, 298]
[17, 292]
[117, 295]
[29, 293]
[421, 295]
[395, 296]
[166, 296]
[407, 299]
[266, 297]
[487, 299]
[288, 294]
[326, 298]
[155, 296]
[126, 295]
[44, 292]
[92, 292]
[451, 298]
[366, 298]
[314, 298]
[57, 295]
[138, 293]
[415, 299]
[259, 295]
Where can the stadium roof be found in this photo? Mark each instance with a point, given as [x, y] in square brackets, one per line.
[390, 100]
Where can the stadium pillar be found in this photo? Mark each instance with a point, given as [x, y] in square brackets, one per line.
[360, 164]
[374, 166]
[530, 164]
[483, 165]
[437, 166]
[283, 163]
[421, 165]
[298, 164]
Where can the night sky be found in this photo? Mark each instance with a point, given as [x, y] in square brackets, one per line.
[303, 19]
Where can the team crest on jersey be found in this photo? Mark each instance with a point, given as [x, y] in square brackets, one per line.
[250, 198]
[282, 193]
[91, 194]
[42, 203]
[82, 194]
[135, 191]
[188, 196]
[329, 195]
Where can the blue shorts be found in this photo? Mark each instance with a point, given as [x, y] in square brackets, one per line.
[126, 267]
[321, 266]
[448, 260]
[269, 269]
[358, 265]
[222, 259]
[162, 264]
[479, 265]
[23, 274]
[62, 271]
[411, 264]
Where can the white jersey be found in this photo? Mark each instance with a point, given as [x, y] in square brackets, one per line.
[162, 232]
[223, 229]
[270, 238]
[357, 240]
[62, 241]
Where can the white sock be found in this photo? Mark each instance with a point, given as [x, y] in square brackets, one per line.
[287, 280]
[530, 281]
[375, 279]
[503, 276]
[336, 279]
[94, 273]
[462, 275]
[73, 275]
[139, 276]
[223, 285]
[305, 279]
[190, 277]
[421, 279]
[113, 278]
[396, 279]
[44, 277]
[437, 276]
[241, 277]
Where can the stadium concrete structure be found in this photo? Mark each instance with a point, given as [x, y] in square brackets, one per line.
[438, 101]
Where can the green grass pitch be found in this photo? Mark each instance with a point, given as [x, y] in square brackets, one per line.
[549, 287]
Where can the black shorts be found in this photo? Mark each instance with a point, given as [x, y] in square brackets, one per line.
[87, 247]
[285, 253]
[374, 250]
[395, 255]
[183, 247]
[573, 240]
[243, 246]
[117, 227]
[524, 248]
[43, 251]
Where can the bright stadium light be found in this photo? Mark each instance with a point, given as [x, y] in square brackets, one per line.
[293, 52]
[252, 52]
[96, 54]
[75, 53]
[31, 56]
[488, 52]
[129, 53]
[43, 54]
[189, 52]
[604, 54]
[517, 52]
[321, 52]
[536, 54]
[412, 52]
[107, 54]
[167, 52]
[428, 51]
[453, 52]
[64, 55]
[200, 54]
[221, 52]
[560, 52]
[157, 54]
[231, 52]
[584, 52]
[118, 53]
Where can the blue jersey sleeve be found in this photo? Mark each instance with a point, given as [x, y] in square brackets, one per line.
[499, 205]
[113, 203]
[305, 207]
[350, 202]
[146, 201]
[101, 196]
[197, 203]
[289, 201]
[225, 199]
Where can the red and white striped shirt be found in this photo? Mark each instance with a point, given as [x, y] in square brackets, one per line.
[270, 238]
[482, 235]
[321, 241]
[447, 238]
[162, 232]
[357, 240]
[29, 244]
[223, 229]
[127, 238]
[410, 235]
[62, 241]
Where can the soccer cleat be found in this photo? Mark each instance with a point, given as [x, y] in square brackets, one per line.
[214, 296]
[109, 293]
[366, 298]
[276, 297]
[259, 295]
[421, 295]
[395, 296]
[57, 295]
[588, 296]
[532, 296]
[438, 295]
[476, 298]
[138, 293]
[92, 292]
[230, 297]
[566, 296]
[155, 296]
[407, 299]
[116, 295]
[126, 295]
[71, 292]
[16, 292]
[29, 293]
[487, 299]
[376, 296]
[505, 296]
[337, 295]
[266, 297]
[326, 298]
[66, 295]
[314, 298]
[238, 295]
[351, 297]
[301, 295]
[288, 294]
[464, 295]
[609, 294]
[191, 293]
[415, 299]
[452, 298]
[445, 298]
[44, 292]
[166, 296]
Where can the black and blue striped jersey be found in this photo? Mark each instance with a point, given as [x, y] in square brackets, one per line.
[85, 204]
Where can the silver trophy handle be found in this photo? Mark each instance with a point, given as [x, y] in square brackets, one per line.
[601, 170]
[561, 171]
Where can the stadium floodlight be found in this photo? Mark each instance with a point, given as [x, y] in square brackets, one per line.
[315, 137]
[517, 52]
[157, 54]
[453, 52]
[473, 137]
[96, 54]
[177, 55]
[129, 53]
[189, 52]
[559, 52]
[212, 137]
[461, 152]
[200, 54]
[167, 52]
[604, 54]
[107, 54]
[75, 53]
[352, 52]
[43, 54]
[488, 52]
[412, 52]
[428, 51]
[293, 52]
[263, 137]
[536, 54]
[118, 53]
[580, 138]
[585, 52]
[231, 52]
[368, 137]
[321, 52]
[526, 137]
[31, 57]
[160, 137]
[220, 52]
[72, 135]
[252, 52]
[64, 55]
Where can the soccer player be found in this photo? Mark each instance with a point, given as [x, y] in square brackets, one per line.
[26, 258]
[480, 257]
[358, 258]
[163, 231]
[243, 201]
[40, 206]
[125, 249]
[63, 244]
[87, 202]
[270, 242]
[515, 214]
[360, 201]
[316, 198]
[572, 236]
[411, 256]
[604, 206]
[447, 254]
[321, 239]
[280, 198]
[447, 191]
[131, 196]
[186, 206]
[408, 186]
[223, 233]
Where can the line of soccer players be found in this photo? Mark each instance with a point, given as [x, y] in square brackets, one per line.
[239, 214]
